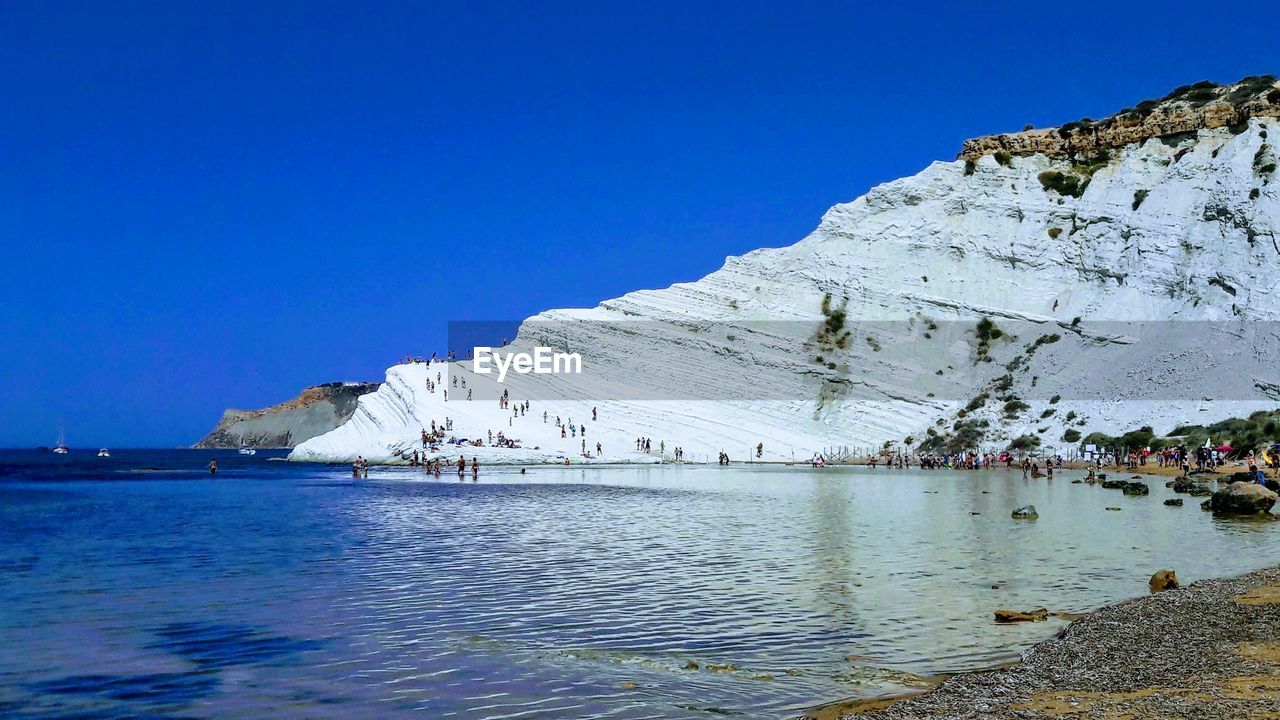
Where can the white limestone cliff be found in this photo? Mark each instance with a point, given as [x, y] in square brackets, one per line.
[1147, 300]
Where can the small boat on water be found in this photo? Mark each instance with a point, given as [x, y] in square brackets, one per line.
[61, 447]
[248, 451]
[104, 453]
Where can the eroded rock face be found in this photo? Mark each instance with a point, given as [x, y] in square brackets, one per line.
[315, 411]
[1163, 580]
[1242, 498]
[1186, 110]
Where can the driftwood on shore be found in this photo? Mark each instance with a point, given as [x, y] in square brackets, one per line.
[1206, 651]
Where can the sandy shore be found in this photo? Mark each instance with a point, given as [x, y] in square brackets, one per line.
[1207, 651]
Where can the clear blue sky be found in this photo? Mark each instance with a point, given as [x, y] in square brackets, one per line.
[206, 205]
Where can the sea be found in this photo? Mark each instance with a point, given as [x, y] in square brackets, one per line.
[142, 586]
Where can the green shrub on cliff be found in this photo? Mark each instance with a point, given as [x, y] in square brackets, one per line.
[1066, 184]
[1025, 442]
[1013, 407]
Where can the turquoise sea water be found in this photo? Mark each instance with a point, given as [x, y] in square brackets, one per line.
[140, 586]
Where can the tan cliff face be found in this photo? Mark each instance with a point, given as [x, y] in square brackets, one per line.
[1188, 109]
[313, 412]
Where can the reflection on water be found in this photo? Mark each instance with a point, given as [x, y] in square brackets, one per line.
[285, 590]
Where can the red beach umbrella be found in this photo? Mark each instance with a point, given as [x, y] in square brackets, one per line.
[1224, 448]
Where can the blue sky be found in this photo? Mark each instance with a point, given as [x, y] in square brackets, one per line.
[212, 205]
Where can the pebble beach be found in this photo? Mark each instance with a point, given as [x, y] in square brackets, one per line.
[1205, 651]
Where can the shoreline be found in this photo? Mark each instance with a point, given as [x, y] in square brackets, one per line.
[1207, 650]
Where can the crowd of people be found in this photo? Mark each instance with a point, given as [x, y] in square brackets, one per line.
[968, 460]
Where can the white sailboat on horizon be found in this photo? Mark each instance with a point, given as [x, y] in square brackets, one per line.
[61, 447]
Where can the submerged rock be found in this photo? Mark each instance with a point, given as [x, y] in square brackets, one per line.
[1173, 502]
[1026, 512]
[1011, 616]
[1114, 484]
[1163, 580]
[1243, 498]
[1136, 488]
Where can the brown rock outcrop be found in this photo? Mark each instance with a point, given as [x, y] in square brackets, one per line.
[1188, 109]
[315, 411]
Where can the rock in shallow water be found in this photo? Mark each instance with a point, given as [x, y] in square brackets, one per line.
[1243, 498]
[1011, 616]
[1026, 512]
[1173, 502]
[1136, 488]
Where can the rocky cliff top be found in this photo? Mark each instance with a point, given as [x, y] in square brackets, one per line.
[1203, 105]
[309, 396]
[316, 410]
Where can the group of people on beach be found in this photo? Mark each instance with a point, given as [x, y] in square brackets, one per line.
[967, 460]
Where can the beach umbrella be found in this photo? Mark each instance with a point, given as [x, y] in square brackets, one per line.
[1224, 448]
